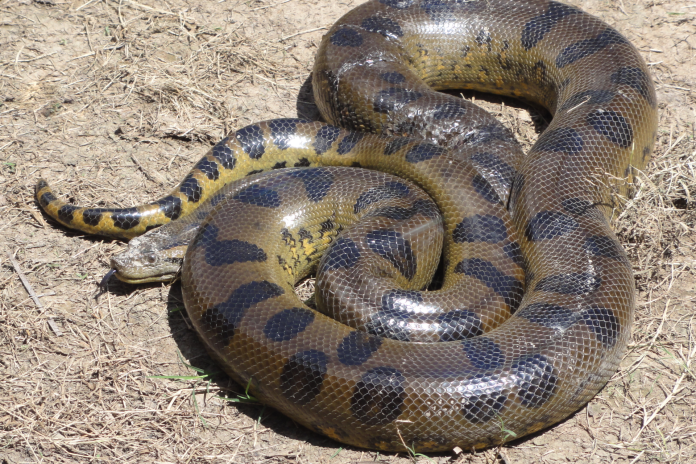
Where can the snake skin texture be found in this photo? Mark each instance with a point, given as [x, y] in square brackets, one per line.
[535, 305]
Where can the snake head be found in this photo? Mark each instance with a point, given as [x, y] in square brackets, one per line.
[153, 257]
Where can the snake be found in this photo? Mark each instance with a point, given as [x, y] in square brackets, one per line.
[538, 293]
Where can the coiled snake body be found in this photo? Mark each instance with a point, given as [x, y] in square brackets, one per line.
[536, 223]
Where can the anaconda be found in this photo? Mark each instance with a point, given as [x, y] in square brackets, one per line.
[544, 228]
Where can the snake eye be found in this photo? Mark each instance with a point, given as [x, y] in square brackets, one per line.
[150, 258]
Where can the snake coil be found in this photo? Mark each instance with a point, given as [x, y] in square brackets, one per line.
[536, 304]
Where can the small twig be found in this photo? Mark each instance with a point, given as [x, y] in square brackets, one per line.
[149, 8]
[681, 137]
[302, 32]
[86, 249]
[34, 59]
[675, 391]
[144, 171]
[84, 5]
[115, 47]
[636, 364]
[21, 16]
[269, 6]
[32, 294]
[676, 87]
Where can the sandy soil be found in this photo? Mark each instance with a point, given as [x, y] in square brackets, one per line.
[114, 100]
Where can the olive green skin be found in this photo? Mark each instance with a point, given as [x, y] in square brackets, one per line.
[375, 72]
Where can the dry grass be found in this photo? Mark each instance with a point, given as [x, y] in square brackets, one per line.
[115, 99]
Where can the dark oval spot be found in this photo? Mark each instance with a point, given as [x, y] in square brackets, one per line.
[535, 30]
[636, 79]
[393, 77]
[357, 347]
[613, 126]
[303, 376]
[209, 168]
[66, 212]
[325, 138]
[439, 10]
[458, 325]
[393, 99]
[170, 206]
[344, 253]
[506, 286]
[549, 315]
[588, 47]
[392, 321]
[483, 353]
[423, 152]
[395, 145]
[232, 251]
[576, 206]
[588, 97]
[206, 234]
[384, 26]
[514, 252]
[398, 4]
[348, 142]
[549, 224]
[402, 300]
[603, 323]
[286, 324]
[379, 396]
[251, 139]
[191, 188]
[221, 321]
[390, 190]
[224, 154]
[393, 247]
[492, 166]
[484, 189]
[46, 198]
[565, 139]
[346, 38]
[317, 182]
[92, 216]
[570, 284]
[480, 228]
[259, 195]
[392, 324]
[480, 407]
[536, 379]
[604, 246]
[126, 218]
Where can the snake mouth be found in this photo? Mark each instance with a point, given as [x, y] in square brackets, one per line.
[135, 280]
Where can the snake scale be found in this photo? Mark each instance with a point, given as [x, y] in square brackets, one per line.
[537, 293]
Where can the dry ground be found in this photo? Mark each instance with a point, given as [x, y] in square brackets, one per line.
[114, 100]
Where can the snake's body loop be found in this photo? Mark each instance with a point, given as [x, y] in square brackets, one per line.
[530, 258]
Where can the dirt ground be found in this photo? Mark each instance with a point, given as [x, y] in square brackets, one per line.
[114, 100]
